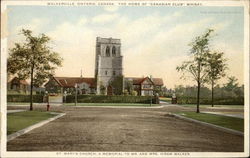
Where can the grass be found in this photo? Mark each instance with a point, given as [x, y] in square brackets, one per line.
[18, 103]
[20, 120]
[215, 106]
[224, 121]
[108, 104]
[165, 99]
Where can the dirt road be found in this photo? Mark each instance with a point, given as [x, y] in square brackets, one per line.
[124, 129]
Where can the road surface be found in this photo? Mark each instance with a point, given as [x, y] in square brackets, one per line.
[124, 129]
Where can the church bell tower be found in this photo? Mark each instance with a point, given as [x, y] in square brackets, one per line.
[108, 62]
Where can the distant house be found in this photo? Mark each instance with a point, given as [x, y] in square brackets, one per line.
[16, 85]
[144, 85]
[67, 84]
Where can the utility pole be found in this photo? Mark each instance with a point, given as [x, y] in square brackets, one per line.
[76, 94]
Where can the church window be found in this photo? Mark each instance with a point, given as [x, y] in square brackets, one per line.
[106, 72]
[107, 51]
[113, 51]
[114, 73]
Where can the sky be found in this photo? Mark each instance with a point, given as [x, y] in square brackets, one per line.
[154, 39]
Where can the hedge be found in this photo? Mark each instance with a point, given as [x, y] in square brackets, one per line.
[218, 101]
[24, 98]
[110, 99]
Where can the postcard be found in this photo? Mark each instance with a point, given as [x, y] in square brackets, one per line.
[123, 78]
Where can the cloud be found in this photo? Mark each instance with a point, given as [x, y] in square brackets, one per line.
[157, 49]
[83, 21]
[111, 8]
[177, 14]
[135, 32]
[36, 25]
[75, 43]
[165, 50]
[104, 18]
[153, 44]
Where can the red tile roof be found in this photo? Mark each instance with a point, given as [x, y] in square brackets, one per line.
[71, 81]
[158, 81]
[139, 80]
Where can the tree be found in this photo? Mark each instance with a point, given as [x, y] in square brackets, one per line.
[134, 93]
[33, 59]
[128, 85]
[102, 88]
[215, 69]
[125, 92]
[117, 84]
[231, 84]
[197, 65]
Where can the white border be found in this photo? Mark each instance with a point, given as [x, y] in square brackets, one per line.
[4, 153]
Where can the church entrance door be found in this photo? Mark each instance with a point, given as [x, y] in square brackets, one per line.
[110, 90]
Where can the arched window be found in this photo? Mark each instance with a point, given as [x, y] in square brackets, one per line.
[113, 51]
[107, 51]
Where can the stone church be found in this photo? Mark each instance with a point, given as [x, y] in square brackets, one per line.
[108, 67]
[108, 62]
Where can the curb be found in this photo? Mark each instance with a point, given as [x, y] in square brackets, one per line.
[26, 130]
[132, 107]
[231, 131]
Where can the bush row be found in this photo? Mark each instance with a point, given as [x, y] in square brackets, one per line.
[110, 99]
[86, 99]
[218, 101]
[24, 98]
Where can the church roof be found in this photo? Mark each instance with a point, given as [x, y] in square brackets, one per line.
[71, 81]
[139, 80]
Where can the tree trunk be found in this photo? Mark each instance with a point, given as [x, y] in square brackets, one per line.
[198, 98]
[212, 93]
[199, 87]
[31, 88]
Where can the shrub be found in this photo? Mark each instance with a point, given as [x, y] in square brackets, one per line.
[134, 93]
[24, 98]
[110, 99]
[125, 92]
[218, 101]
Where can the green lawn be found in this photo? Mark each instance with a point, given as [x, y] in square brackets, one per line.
[108, 104]
[18, 103]
[165, 99]
[224, 121]
[216, 106]
[20, 120]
